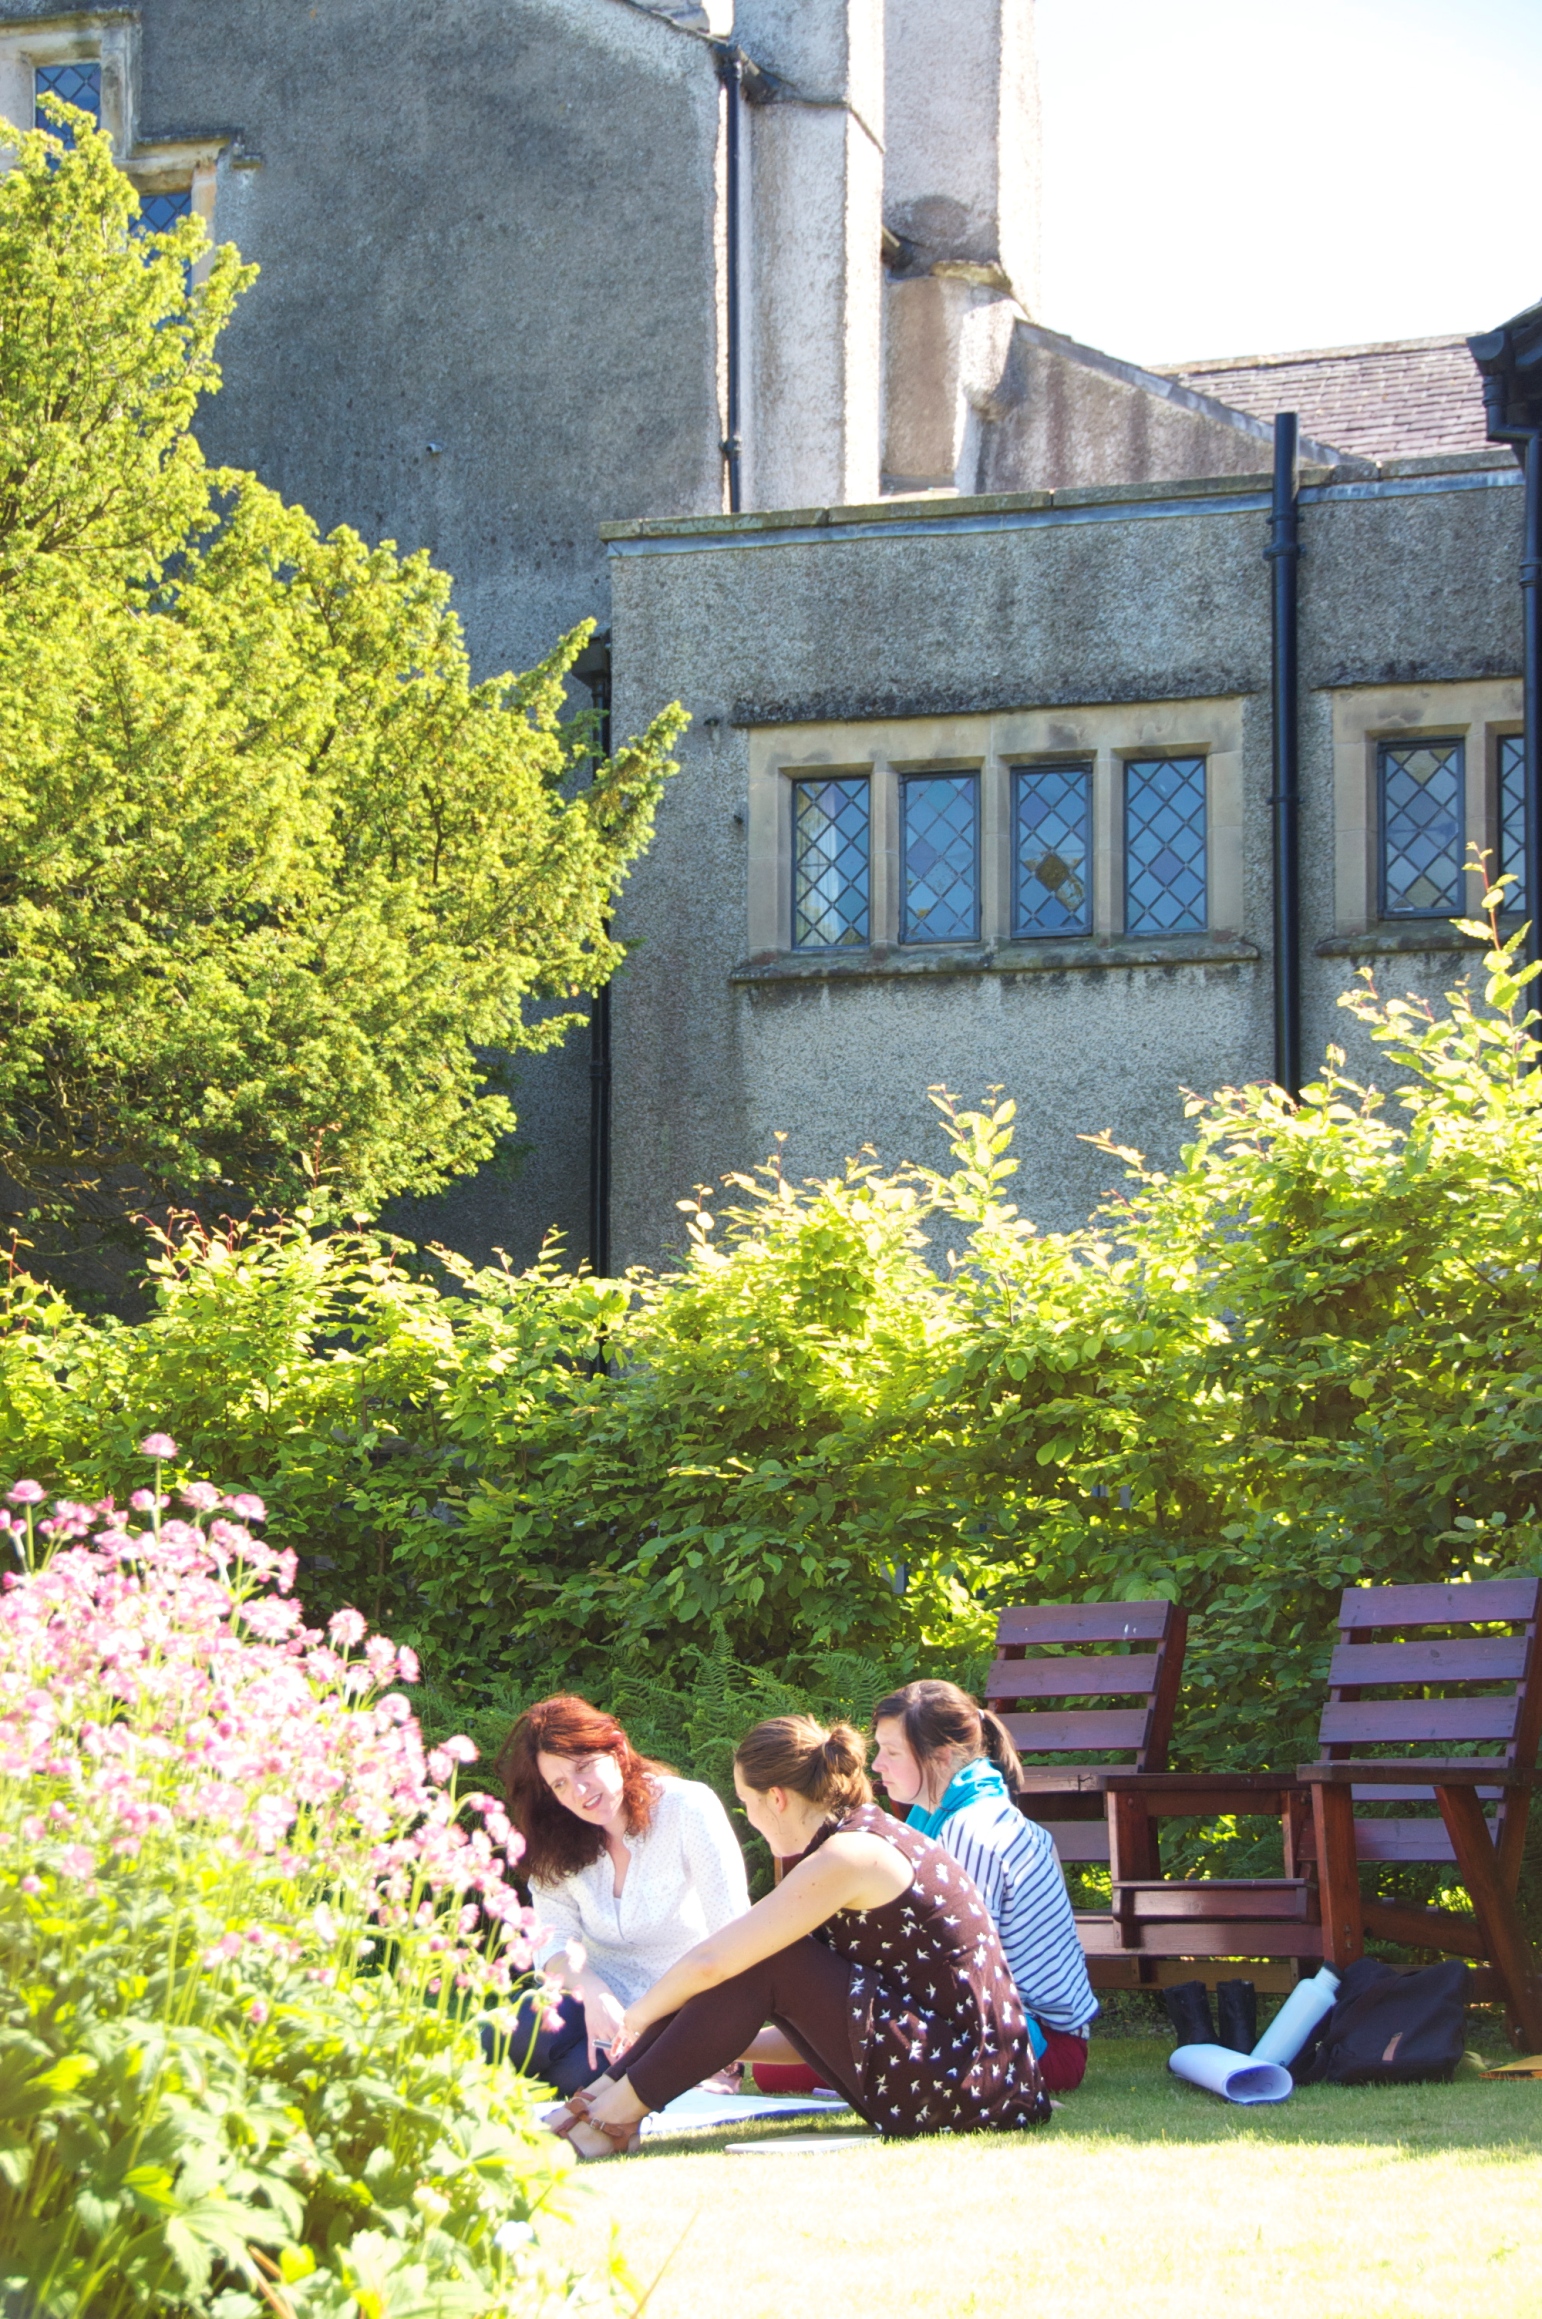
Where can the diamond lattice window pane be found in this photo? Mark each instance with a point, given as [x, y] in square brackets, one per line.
[1051, 850]
[830, 863]
[941, 814]
[1512, 817]
[1164, 846]
[159, 212]
[1421, 829]
[74, 84]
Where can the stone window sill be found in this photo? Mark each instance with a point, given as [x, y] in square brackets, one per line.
[1396, 941]
[890, 963]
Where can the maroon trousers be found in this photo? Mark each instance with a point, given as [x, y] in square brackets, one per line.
[1063, 2063]
[804, 1991]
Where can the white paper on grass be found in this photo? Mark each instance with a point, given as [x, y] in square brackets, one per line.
[1236, 2077]
[1307, 2004]
[696, 2108]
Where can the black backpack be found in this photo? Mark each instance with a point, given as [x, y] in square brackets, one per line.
[1389, 2028]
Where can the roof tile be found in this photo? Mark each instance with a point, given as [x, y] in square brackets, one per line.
[1399, 399]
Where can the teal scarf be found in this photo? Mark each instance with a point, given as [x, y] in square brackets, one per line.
[970, 1784]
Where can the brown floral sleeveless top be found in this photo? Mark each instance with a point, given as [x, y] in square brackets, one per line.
[937, 2032]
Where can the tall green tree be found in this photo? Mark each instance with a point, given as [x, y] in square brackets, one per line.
[276, 878]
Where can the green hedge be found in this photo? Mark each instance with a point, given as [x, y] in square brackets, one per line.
[1310, 1357]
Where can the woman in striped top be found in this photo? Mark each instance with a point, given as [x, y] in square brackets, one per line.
[955, 1766]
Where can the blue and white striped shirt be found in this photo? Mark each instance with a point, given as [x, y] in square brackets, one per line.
[1017, 1872]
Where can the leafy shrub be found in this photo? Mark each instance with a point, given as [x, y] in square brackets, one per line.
[241, 1932]
[1309, 1357]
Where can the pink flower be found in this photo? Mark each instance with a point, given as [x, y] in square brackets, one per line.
[25, 1493]
[31, 1885]
[346, 1627]
[246, 1507]
[461, 1749]
[440, 1764]
[203, 1497]
[407, 1665]
[78, 1862]
[257, 2013]
[158, 1445]
[145, 1501]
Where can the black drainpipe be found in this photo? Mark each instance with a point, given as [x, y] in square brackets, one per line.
[1284, 553]
[599, 1051]
[1531, 691]
[1510, 359]
[730, 65]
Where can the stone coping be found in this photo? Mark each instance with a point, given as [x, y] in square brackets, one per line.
[944, 507]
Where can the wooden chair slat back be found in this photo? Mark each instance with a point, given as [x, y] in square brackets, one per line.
[1071, 1678]
[1490, 1659]
[1383, 1722]
[1084, 1622]
[1488, 1602]
[1111, 1730]
[1462, 1669]
[1137, 1735]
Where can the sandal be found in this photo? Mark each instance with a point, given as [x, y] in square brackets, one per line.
[624, 2139]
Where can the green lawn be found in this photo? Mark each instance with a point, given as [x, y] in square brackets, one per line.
[1143, 2199]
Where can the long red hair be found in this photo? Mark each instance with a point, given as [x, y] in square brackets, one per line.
[557, 1842]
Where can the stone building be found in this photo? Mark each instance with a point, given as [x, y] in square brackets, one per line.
[719, 324]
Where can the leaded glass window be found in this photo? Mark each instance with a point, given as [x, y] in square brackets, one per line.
[1512, 817]
[73, 84]
[159, 212]
[1423, 820]
[1165, 884]
[831, 884]
[940, 839]
[1051, 850]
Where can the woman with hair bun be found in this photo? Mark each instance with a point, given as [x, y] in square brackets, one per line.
[629, 1867]
[874, 1957]
[954, 1765]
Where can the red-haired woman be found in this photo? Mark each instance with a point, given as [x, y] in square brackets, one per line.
[626, 1861]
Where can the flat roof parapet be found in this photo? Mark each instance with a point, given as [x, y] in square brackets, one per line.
[954, 512]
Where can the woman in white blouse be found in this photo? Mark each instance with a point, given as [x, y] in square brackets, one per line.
[629, 1868]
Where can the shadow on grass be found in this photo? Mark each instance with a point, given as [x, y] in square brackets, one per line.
[1131, 2097]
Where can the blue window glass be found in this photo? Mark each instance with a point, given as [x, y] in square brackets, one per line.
[1051, 850]
[1165, 890]
[75, 84]
[1422, 827]
[830, 845]
[940, 838]
[1512, 817]
[159, 212]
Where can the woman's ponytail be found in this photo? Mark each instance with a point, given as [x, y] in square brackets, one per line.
[998, 1746]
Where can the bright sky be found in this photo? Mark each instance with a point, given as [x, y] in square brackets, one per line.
[1247, 177]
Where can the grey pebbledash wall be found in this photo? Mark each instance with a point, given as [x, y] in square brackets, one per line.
[964, 606]
[451, 256]
[487, 318]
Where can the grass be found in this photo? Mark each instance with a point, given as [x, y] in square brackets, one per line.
[1144, 2197]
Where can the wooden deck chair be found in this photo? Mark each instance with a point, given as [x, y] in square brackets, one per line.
[1459, 1685]
[1418, 1668]
[1128, 1657]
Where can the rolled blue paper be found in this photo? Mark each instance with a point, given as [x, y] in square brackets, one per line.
[1297, 2018]
[1236, 2077]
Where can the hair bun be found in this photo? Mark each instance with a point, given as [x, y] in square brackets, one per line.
[829, 1767]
